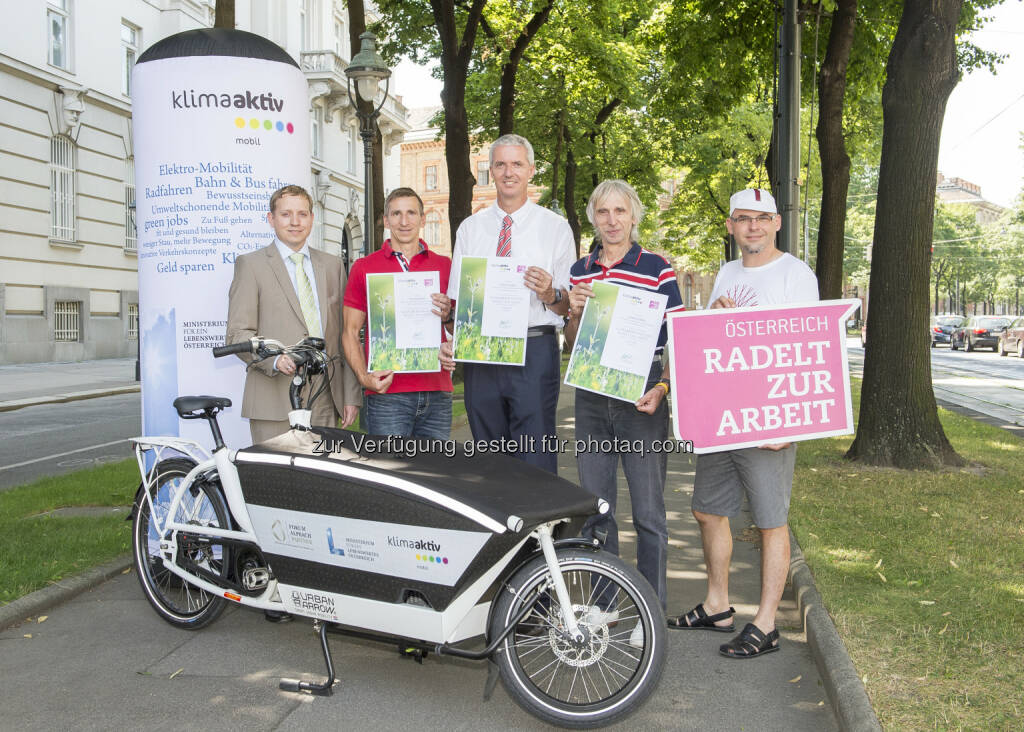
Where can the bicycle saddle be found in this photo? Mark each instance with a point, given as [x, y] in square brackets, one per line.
[188, 404]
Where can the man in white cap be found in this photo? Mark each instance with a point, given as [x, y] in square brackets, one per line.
[764, 276]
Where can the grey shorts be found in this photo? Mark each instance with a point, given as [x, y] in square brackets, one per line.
[766, 476]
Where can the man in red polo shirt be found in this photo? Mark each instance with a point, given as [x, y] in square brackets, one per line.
[409, 405]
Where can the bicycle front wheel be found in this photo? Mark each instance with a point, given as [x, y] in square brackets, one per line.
[588, 683]
[178, 602]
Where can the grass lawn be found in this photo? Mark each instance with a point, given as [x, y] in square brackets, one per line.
[35, 551]
[923, 573]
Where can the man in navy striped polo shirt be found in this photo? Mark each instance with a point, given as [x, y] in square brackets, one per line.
[615, 211]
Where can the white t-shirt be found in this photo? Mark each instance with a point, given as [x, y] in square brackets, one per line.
[782, 281]
[541, 237]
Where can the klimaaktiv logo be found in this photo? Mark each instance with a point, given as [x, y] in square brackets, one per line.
[247, 100]
[421, 546]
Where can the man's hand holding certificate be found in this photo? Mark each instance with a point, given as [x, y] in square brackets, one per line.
[492, 311]
[616, 341]
[404, 332]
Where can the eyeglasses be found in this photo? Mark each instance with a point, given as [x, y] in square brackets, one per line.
[763, 219]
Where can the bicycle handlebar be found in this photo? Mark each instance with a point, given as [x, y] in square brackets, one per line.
[243, 347]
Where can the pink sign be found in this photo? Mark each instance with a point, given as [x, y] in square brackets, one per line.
[743, 377]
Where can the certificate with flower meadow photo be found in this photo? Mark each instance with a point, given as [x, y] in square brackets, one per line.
[492, 311]
[615, 343]
[404, 334]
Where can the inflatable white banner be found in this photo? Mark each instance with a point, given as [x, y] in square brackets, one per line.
[214, 136]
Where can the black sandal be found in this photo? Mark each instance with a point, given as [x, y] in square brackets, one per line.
[698, 619]
[750, 642]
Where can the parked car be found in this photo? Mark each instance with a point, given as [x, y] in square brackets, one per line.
[981, 330]
[942, 327]
[1012, 338]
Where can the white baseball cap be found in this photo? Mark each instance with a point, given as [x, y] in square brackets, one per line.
[752, 199]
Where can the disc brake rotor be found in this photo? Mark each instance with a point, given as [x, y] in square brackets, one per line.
[578, 655]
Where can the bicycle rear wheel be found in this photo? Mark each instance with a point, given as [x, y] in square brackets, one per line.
[597, 681]
[178, 602]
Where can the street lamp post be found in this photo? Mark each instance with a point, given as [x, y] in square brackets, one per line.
[366, 70]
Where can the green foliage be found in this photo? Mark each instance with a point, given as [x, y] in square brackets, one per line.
[586, 57]
[714, 165]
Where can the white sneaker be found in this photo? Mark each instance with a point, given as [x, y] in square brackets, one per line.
[636, 638]
[597, 616]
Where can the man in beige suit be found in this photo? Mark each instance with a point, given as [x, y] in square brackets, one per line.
[288, 291]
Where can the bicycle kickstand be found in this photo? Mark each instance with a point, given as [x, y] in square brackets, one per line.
[324, 689]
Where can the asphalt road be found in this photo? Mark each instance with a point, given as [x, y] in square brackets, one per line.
[982, 380]
[53, 439]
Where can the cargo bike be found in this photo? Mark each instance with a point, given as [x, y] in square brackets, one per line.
[475, 557]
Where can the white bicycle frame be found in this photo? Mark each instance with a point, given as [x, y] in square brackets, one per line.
[463, 618]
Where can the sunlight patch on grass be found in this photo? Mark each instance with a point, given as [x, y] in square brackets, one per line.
[849, 555]
[922, 572]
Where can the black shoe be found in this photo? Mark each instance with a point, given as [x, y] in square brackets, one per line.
[273, 616]
[751, 641]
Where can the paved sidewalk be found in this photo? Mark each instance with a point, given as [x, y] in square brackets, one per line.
[26, 385]
[105, 660]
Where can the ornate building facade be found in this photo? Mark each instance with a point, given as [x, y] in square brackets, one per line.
[68, 253]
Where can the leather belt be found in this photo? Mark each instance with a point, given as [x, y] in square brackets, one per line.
[539, 330]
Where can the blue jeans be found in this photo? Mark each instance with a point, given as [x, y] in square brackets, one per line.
[410, 414]
[603, 418]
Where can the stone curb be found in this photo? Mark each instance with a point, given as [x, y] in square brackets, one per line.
[75, 396]
[60, 592]
[846, 693]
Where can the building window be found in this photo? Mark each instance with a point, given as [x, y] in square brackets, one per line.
[432, 229]
[129, 52]
[430, 178]
[62, 188]
[316, 131]
[131, 242]
[688, 292]
[483, 173]
[133, 321]
[58, 20]
[65, 320]
[308, 24]
[339, 37]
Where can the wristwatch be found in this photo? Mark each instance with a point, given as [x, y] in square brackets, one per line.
[558, 297]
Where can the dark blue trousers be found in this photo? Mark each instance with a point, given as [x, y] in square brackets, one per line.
[516, 401]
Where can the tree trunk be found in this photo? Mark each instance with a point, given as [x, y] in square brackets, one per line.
[557, 162]
[507, 102]
[456, 54]
[899, 423]
[457, 147]
[835, 162]
[356, 27]
[599, 119]
[570, 190]
[224, 14]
